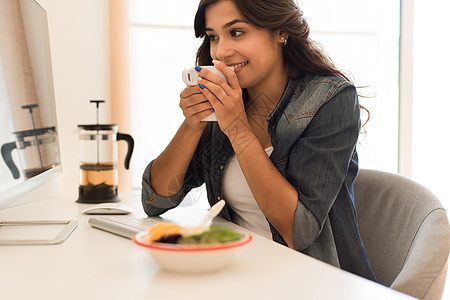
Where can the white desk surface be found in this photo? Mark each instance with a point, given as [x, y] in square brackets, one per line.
[93, 264]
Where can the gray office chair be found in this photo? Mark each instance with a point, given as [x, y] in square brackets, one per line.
[406, 233]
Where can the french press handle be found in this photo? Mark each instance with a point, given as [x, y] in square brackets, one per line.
[7, 157]
[129, 139]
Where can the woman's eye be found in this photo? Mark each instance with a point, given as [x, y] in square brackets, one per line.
[236, 32]
[212, 38]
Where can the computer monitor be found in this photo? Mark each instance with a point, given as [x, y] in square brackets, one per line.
[30, 155]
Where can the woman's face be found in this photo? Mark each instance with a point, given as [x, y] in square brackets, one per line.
[255, 54]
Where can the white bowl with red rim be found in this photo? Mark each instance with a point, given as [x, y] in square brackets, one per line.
[192, 258]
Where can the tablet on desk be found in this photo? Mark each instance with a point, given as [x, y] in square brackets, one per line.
[39, 232]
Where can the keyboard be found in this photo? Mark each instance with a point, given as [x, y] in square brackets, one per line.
[123, 225]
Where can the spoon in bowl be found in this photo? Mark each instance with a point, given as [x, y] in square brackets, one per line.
[202, 227]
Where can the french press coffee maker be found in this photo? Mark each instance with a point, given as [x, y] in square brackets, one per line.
[98, 161]
[38, 149]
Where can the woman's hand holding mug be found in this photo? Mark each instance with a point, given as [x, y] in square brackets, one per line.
[190, 78]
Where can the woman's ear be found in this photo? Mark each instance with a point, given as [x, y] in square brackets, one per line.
[283, 37]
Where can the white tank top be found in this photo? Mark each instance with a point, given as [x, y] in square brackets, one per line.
[237, 193]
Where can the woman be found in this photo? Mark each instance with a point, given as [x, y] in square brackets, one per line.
[283, 150]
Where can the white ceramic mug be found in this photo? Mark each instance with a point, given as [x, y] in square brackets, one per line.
[190, 75]
[190, 78]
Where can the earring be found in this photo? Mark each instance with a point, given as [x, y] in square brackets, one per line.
[284, 40]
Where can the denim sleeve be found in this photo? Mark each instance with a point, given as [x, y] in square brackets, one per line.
[319, 162]
[154, 204]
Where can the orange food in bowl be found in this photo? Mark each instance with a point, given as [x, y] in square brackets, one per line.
[159, 230]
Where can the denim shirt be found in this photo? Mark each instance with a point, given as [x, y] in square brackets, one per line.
[314, 130]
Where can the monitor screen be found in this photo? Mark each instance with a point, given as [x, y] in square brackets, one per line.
[29, 141]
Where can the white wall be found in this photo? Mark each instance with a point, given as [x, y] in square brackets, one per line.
[79, 40]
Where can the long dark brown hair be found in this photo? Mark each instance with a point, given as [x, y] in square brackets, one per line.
[301, 54]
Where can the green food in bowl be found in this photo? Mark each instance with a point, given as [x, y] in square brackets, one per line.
[215, 234]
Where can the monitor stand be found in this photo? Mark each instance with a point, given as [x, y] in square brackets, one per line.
[39, 232]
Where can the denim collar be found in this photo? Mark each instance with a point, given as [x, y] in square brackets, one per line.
[276, 114]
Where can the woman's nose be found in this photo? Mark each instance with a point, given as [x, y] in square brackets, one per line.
[222, 50]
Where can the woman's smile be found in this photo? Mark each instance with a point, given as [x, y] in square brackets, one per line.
[237, 66]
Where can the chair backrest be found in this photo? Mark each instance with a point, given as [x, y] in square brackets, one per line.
[405, 231]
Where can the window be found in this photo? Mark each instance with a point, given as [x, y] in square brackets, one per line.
[363, 41]
[162, 44]
[431, 101]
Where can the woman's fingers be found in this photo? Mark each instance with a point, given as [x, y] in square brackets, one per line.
[229, 74]
[190, 96]
[196, 109]
[217, 80]
[195, 106]
[225, 98]
[213, 92]
[190, 91]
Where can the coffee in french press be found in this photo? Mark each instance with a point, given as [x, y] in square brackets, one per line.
[98, 161]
